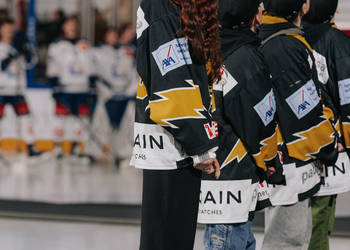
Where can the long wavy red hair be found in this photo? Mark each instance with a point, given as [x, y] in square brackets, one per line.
[200, 25]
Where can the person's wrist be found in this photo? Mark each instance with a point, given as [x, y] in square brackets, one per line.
[204, 157]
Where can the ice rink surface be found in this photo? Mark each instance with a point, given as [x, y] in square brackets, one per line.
[42, 235]
[71, 180]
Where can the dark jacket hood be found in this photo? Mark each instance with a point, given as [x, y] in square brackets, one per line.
[233, 39]
[314, 32]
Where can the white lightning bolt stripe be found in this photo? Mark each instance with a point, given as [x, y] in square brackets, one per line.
[163, 98]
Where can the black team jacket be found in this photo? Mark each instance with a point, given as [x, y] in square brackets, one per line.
[304, 120]
[305, 113]
[332, 53]
[173, 106]
[245, 111]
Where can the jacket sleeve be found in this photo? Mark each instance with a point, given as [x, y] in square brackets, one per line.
[340, 69]
[251, 111]
[307, 132]
[177, 87]
[6, 61]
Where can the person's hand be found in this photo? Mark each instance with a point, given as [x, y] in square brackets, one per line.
[270, 171]
[209, 166]
[340, 147]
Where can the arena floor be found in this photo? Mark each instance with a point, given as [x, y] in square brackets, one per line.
[43, 235]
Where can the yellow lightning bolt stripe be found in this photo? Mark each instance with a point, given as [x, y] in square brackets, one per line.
[346, 133]
[238, 152]
[141, 90]
[177, 104]
[311, 141]
[328, 112]
[268, 151]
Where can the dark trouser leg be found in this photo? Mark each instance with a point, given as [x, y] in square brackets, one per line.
[169, 209]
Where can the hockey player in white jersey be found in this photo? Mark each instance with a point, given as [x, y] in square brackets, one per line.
[117, 72]
[70, 71]
[13, 83]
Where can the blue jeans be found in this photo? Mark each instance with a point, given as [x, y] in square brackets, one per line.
[229, 237]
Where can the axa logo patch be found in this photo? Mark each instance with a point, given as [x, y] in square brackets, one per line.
[304, 100]
[172, 55]
[304, 104]
[76, 68]
[212, 129]
[169, 60]
[266, 109]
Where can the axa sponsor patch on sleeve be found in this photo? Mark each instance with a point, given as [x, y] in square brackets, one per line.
[344, 91]
[266, 109]
[172, 55]
[304, 100]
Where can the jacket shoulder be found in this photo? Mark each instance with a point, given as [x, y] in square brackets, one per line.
[246, 61]
[157, 9]
[339, 41]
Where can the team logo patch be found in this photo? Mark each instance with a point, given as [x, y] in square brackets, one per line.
[266, 109]
[321, 65]
[172, 55]
[344, 91]
[227, 82]
[76, 69]
[141, 24]
[304, 100]
[212, 130]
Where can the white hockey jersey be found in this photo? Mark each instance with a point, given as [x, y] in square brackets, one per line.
[72, 64]
[12, 72]
[117, 68]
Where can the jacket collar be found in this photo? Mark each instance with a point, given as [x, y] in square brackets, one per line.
[233, 39]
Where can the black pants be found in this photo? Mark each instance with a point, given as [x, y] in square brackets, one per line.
[169, 209]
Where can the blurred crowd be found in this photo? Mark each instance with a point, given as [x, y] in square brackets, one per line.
[93, 85]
